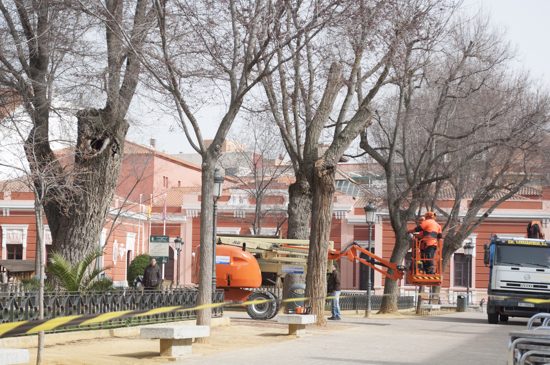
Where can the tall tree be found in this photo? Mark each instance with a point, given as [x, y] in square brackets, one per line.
[224, 49]
[327, 96]
[53, 49]
[448, 109]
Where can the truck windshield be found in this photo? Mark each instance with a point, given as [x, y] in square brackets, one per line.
[528, 256]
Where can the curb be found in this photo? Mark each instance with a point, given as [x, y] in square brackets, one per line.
[31, 341]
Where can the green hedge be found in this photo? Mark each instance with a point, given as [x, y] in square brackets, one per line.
[137, 267]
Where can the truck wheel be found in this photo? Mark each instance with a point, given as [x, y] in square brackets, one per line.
[503, 318]
[262, 311]
[492, 318]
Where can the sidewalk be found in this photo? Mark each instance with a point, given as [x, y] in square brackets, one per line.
[459, 338]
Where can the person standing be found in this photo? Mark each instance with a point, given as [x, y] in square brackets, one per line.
[431, 234]
[152, 277]
[334, 289]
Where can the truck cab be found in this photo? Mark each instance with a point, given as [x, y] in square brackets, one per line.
[519, 280]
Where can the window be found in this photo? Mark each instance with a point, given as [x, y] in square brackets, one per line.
[462, 272]
[14, 252]
[14, 235]
[179, 183]
[165, 181]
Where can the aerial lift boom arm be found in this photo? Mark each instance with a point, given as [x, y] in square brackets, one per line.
[383, 266]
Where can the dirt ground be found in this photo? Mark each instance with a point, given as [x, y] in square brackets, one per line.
[242, 332]
[134, 350]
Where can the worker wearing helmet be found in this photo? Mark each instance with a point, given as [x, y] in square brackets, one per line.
[430, 236]
[418, 227]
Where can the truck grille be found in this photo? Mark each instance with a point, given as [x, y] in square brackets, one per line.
[540, 287]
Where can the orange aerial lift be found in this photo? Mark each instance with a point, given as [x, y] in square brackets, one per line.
[238, 272]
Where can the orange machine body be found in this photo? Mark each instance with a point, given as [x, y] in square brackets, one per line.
[236, 271]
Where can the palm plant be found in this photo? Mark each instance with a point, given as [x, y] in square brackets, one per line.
[81, 276]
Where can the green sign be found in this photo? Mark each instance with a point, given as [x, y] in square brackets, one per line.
[159, 246]
[163, 239]
[161, 259]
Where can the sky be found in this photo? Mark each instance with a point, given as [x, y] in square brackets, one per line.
[524, 22]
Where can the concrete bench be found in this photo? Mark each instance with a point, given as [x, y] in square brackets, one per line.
[175, 341]
[296, 322]
[14, 356]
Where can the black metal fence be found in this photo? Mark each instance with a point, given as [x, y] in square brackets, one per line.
[358, 301]
[353, 300]
[24, 306]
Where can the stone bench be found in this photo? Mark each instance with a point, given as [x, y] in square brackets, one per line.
[175, 341]
[14, 356]
[296, 322]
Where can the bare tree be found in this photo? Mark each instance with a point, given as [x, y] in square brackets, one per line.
[224, 49]
[448, 109]
[258, 164]
[54, 49]
[36, 177]
[327, 96]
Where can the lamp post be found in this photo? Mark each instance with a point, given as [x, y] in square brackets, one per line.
[178, 243]
[468, 251]
[218, 183]
[370, 218]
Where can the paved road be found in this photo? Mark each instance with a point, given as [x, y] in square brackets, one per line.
[461, 338]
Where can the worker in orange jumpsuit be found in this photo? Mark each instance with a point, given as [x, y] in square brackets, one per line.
[430, 236]
[418, 227]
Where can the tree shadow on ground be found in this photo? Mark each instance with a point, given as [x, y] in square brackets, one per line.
[354, 361]
[274, 335]
[141, 355]
[471, 320]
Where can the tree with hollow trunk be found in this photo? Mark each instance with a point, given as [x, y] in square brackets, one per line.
[443, 115]
[327, 98]
[224, 49]
[53, 49]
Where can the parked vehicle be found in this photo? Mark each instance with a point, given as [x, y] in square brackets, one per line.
[519, 279]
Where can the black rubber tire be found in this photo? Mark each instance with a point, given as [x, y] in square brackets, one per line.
[262, 311]
[492, 318]
[503, 318]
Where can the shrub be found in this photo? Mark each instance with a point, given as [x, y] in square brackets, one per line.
[137, 267]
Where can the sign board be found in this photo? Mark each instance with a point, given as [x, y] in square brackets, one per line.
[223, 260]
[158, 246]
[292, 269]
[161, 259]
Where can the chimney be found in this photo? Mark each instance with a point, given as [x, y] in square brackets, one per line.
[153, 142]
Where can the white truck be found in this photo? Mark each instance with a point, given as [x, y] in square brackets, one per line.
[519, 281]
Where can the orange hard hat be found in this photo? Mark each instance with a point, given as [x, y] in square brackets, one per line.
[429, 215]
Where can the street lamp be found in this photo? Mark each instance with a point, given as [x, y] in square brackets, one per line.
[218, 186]
[468, 251]
[370, 218]
[178, 243]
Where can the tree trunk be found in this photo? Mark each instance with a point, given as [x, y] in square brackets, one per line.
[391, 287]
[206, 251]
[316, 278]
[76, 216]
[40, 260]
[299, 209]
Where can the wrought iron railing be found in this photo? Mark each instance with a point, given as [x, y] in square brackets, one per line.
[358, 301]
[24, 306]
